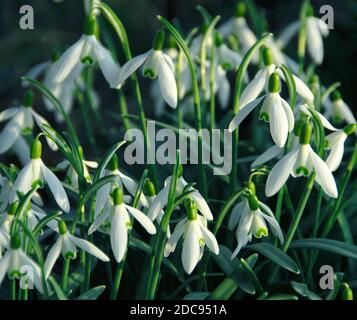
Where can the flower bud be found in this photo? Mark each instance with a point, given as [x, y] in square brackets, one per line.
[149, 188]
[118, 196]
[28, 98]
[113, 163]
[191, 209]
[347, 293]
[240, 9]
[305, 134]
[335, 95]
[36, 149]
[351, 128]
[274, 83]
[159, 39]
[253, 202]
[267, 56]
[12, 209]
[62, 227]
[15, 242]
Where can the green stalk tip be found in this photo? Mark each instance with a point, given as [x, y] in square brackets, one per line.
[159, 40]
[28, 98]
[351, 128]
[118, 196]
[15, 241]
[12, 208]
[62, 227]
[267, 56]
[90, 25]
[240, 9]
[305, 134]
[191, 209]
[113, 163]
[36, 149]
[274, 83]
[336, 95]
[253, 202]
[149, 188]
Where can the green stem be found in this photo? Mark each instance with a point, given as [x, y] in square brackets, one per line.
[65, 272]
[159, 245]
[178, 83]
[212, 80]
[117, 279]
[12, 289]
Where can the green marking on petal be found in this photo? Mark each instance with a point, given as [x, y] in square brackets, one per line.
[70, 255]
[264, 116]
[302, 170]
[150, 73]
[262, 232]
[87, 60]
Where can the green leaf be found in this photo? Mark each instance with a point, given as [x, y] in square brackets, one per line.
[57, 288]
[276, 255]
[303, 290]
[44, 221]
[334, 246]
[196, 296]
[290, 83]
[207, 18]
[92, 294]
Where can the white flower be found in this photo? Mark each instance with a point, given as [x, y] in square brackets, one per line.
[15, 261]
[118, 214]
[87, 49]
[316, 29]
[301, 161]
[162, 197]
[35, 171]
[122, 181]
[156, 64]
[337, 109]
[195, 235]
[21, 119]
[72, 175]
[261, 80]
[6, 220]
[269, 154]
[304, 109]
[251, 216]
[335, 143]
[275, 110]
[67, 244]
[225, 56]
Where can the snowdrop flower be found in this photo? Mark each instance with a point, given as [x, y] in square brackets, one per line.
[238, 26]
[72, 175]
[335, 143]
[275, 110]
[36, 171]
[261, 80]
[195, 235]
[122, 181]
[21, 120]
[87, 49]
[67, 244]
[252, 216]
[119, 216]
[337, 109]
[14, 260]
[226, 57]
[156, 64]
[162, 197]
[301, 161]
[315, 29]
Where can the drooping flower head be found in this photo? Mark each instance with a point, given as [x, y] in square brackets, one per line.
[195, 235]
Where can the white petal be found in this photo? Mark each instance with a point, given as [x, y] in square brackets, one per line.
[243, 113]
[191, 248]
[335, 156]
[142, 219]
[106, 62]
[243, 229]
[224, 90]
[159, 203]
[280, 173]
[176, 235]
[325, 122]
[278, 120]
[90, 248]
[210, 240]
[70, 58]
[103, 194]
[22, 150]
[27, 261]
[303, 90]
[119, 234]
[91, 164]
[56, 188]
[35, 71]
[4, 265]
[324, 175]
[270, 218]
[52, 256]
[10, 133]
[202, 205]
[314, 40]
[255, 87]
[271, 153]
[289, 114]
[236, 214]
[167, 83]
[98, 221]
[346, 112]
[40, 120]
[129, 68]
[8, 113]
[26, 177]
